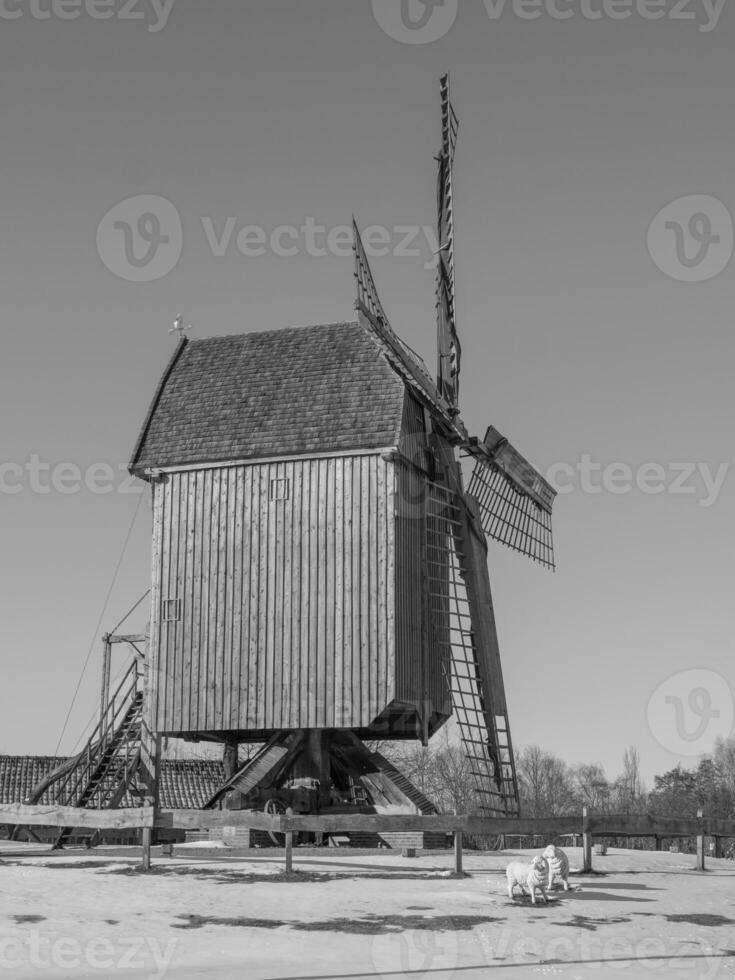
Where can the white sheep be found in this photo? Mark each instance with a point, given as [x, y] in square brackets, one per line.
[528, 876]
[558, 866]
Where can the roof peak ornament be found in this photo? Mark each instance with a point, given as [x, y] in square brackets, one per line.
[178, 326]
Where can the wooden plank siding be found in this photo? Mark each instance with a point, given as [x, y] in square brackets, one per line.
[287, 606]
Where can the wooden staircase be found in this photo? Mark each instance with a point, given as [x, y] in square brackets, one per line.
[99, 777]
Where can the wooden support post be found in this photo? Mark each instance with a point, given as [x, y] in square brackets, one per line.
[657, 846]
[586, 843]
[718, 846]
[700, 841]
[458, 852]
[150, 758]
[150, 762]
[230, 759]
[105, 691]
[289, 845]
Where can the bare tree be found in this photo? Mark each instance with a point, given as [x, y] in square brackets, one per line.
[724, 759]
[544, 783]
[454, 788]
[592, 788]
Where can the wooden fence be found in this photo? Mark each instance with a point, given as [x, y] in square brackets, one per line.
[589, 825]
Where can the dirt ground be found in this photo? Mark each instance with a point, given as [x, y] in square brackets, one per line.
[357, 915]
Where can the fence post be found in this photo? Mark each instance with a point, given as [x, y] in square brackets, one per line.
[146, 841]
[289, 842]
[458, 852]
[700, 840]
[586, 843]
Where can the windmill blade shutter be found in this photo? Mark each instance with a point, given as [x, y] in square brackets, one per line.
[513, 499]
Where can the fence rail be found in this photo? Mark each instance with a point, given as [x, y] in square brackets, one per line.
[586, 824]
[38, 815]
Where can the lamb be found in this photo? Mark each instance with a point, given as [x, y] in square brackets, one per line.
[528, 876]
[558, 865]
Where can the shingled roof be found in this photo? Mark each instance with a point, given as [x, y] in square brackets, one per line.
[295, 391]
[185, 783]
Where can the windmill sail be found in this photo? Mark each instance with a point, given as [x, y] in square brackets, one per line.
[464, 628]
[368, 303]
[448, 346]
[514, 500]
[367, 294]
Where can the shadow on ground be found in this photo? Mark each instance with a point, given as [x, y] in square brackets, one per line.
[369, 925]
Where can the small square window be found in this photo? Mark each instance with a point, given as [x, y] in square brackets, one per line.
[171, 610]
[280, 489]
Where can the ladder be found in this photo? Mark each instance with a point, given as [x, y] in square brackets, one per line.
[103, 771]
[485, 734]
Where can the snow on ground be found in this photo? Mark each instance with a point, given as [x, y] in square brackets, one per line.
[356, 915]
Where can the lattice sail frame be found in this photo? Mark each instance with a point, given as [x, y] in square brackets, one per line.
[514, 500]
[448, 346]
[486, 738]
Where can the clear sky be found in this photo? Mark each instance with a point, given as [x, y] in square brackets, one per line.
[574, 135]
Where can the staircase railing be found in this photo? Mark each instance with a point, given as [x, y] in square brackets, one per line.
[110, 741]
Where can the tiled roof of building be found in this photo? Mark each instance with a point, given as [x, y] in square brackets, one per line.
[185, 784]
[296, 391]
[20, 773]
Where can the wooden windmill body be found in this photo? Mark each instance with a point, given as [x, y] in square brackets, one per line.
[319, 572]
[319, 569]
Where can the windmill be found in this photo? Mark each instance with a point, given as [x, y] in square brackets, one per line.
[319, 570]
